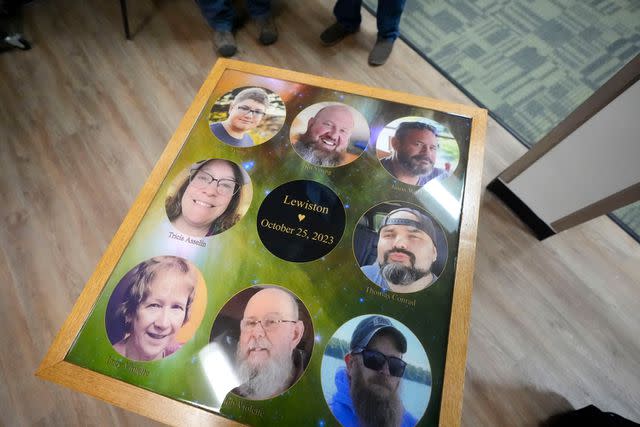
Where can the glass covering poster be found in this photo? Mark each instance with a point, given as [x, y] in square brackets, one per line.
[297, 262]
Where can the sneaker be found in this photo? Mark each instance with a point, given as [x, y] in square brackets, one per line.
[225, 43]
[334, 34]
[268, 30]
[381, 51]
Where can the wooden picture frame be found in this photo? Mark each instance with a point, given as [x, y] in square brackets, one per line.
[146, 401]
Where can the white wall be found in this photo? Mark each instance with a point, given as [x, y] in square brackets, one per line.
[598, 159]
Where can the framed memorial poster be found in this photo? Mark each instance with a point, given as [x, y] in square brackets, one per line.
[301, 254]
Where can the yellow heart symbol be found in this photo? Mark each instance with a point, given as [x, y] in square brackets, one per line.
[300, 217]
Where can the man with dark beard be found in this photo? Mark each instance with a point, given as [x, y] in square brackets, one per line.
[327, 136]
[368, 389]
[406, 252]
[268, 362]
[414, 153]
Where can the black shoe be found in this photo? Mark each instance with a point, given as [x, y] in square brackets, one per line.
[334, 34]
[381, 51]
[268, 30]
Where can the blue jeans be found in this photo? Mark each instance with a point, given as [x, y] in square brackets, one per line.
[219, 13]
[347, 13]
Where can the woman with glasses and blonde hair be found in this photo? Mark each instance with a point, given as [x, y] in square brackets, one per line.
[207, 202]
[246, 112]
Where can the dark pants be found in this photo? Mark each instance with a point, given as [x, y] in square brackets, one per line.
[347, 13]
[219, 13]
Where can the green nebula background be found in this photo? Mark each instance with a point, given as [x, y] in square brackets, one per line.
[333, 288]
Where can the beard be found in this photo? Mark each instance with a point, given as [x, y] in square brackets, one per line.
[377, 404]
[307, 150]
[265, 380]
[414, 166]
[400, 274]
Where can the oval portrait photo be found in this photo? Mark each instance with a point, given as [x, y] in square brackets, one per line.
[417, 150]
[247, 116]
[261, 343]
[375, 372]
[400, 247]
[329, 134]
[156, 308]
[208, 198]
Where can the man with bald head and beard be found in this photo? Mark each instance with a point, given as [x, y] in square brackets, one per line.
[414, 154]
[268, 362]
[368, 389]
[406, 252]
[327, 136]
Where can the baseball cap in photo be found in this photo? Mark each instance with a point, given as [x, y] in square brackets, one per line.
[422, 222]
[370, 326]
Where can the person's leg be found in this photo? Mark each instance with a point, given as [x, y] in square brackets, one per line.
[259, 8]
[347, 12]
[388, 20]
[219, 15]
[348, 17]
[260, 11]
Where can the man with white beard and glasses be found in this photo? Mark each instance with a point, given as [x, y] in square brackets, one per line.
[326, 139]
[268, 362]
[406, 251]
[368, 389]
[414, 154]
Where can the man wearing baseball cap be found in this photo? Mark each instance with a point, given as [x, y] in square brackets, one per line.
[367, 390]
[406, 252]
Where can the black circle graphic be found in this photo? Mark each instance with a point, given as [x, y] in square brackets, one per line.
[301, 221]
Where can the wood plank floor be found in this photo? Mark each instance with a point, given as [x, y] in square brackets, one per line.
[84, 116]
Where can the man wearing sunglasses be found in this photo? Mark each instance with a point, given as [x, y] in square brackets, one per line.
[246, 112]
[267, 358]
[368, 389]
[406, 252]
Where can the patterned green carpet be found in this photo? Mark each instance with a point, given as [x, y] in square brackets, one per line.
[529, 62]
